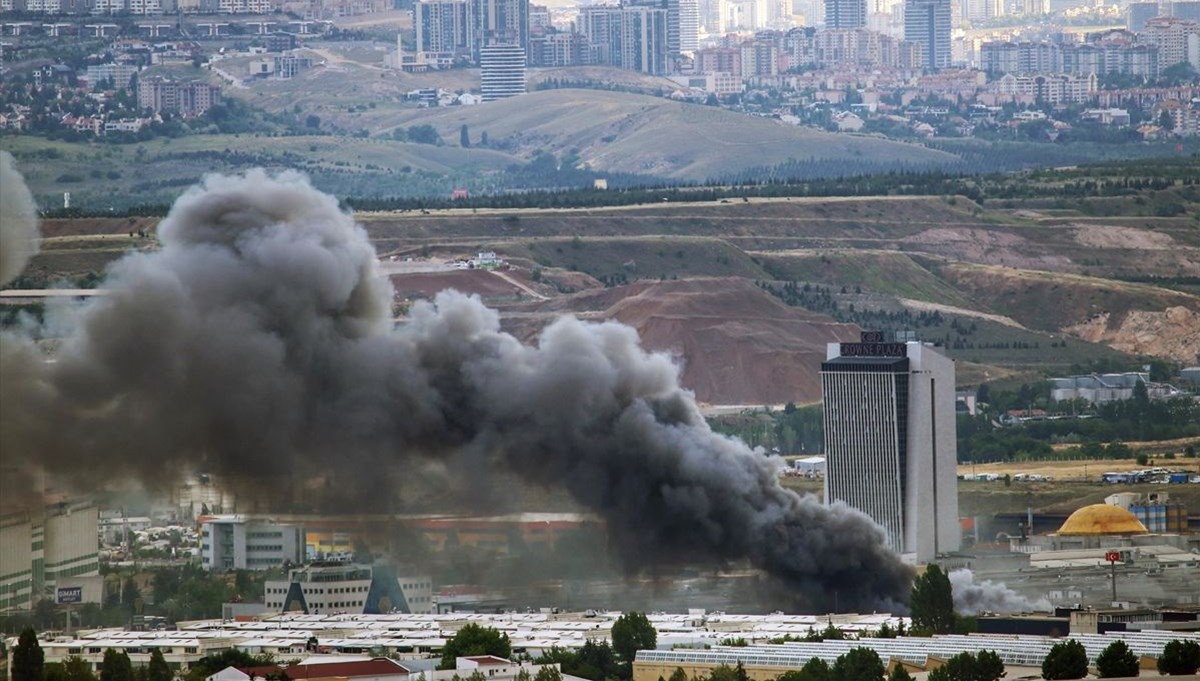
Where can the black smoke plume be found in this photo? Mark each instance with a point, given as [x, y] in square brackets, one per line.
[260, 340]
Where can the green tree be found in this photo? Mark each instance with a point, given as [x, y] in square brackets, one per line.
[633, 632]
[598, 661]
[815, 669]
[117, 666]
[832, 633]
[932, 602]
[1179, 658]
[858, 664]
[424, 134]
[1165, 121]
[1117, 660]
[464, 137]
[548, 673]
[54, 671]
[76, 668]
[899, 673]
[475, 640]
[1066, 660]
[678, 675]
[28, 659]
[158, 670]
[723, 673]
[986, 666]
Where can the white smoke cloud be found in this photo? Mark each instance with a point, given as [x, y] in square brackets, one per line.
[972, 598]
[18, 221]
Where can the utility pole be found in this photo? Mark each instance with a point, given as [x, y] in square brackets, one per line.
[1112, 557]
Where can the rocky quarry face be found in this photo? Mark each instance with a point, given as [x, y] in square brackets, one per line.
[1173, 332]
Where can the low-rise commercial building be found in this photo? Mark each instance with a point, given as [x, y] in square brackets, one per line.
[342, 588]
[233, 542]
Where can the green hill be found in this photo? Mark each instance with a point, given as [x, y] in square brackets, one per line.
[621, 132]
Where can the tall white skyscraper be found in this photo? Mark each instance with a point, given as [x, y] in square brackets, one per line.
[502, 71]
[890, 442]
[688, 12]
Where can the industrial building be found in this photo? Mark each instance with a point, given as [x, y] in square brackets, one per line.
[230, 542]
[1155, 510]
[690, 640]
[1114, 525]
[40, 546]
[890, 443]
[768, 662]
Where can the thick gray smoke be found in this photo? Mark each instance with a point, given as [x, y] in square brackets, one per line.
[972, 598]
[18, 221]
[259, 340]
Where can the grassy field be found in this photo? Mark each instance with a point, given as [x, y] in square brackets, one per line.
[616, 259]
[885, 272]
[102, 175]
[615, 131]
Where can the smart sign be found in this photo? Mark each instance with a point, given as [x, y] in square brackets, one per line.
[68, 594]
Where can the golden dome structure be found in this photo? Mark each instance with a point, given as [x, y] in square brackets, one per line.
[1102, 519]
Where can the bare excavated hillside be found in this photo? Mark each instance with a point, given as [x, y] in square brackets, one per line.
[1041, 278]
[736, 343]
[1000, 288]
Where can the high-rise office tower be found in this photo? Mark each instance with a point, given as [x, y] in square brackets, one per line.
[927, 23]
[890, 443]
[644, 39]
[601, 25]
[845, 13]
[502, 71]
[712, 13]
[629, 37]
[467, 26]
[683, 26]
[441, 27]
[499, 22]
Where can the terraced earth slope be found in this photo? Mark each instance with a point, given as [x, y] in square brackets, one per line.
[746, 293]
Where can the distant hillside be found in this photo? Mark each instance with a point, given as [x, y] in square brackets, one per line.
[620, 132]
[745, 292]
[737, 344]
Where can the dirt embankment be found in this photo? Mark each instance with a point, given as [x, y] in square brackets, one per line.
[736, 344]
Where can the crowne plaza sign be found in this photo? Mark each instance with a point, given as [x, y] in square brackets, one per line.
[871, 344]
